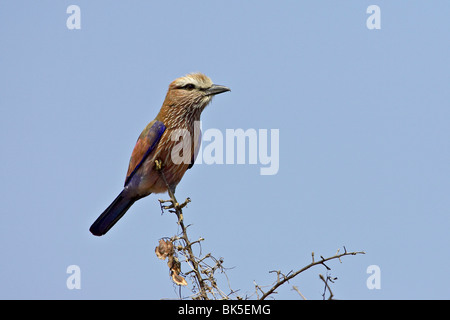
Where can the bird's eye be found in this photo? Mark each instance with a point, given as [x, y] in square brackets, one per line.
[189, 86]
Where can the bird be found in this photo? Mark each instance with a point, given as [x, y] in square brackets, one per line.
[158, 143]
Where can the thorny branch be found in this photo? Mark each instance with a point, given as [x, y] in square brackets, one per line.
[285, 278]
[203, 271]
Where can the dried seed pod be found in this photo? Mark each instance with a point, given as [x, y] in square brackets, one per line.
[164, 249]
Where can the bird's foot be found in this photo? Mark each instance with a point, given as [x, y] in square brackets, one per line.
[158, 165]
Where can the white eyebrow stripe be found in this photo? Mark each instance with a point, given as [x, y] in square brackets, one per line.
[199, 80]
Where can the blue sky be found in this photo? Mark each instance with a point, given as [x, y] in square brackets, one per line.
[363, 120]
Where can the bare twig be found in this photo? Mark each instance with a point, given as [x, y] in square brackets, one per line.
[327, 286]
[204, 268]
[298, 291]
[187, 244]
[281, 281]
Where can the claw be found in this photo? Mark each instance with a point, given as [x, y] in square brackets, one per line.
[158, 165]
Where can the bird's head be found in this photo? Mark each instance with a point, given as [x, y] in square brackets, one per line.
[192, 92]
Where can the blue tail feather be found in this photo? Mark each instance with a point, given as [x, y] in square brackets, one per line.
[112, 214]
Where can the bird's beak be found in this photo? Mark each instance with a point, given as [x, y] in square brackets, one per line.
[216, 89]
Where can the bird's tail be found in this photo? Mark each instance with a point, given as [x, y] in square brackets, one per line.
[112, 214]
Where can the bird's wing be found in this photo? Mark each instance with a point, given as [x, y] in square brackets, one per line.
[196, 149]
[146, 143]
